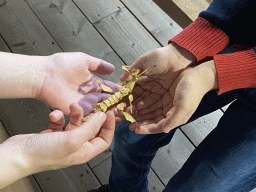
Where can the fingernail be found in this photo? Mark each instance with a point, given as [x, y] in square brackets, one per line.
[101, 115]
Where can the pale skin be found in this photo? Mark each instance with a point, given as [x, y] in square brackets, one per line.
[23, 155]
[58, 80]
[61, 81]
[171, 69]
[170, 91]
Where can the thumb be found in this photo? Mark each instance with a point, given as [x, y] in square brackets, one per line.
[99, 66]
[90, 128]
[140, 64]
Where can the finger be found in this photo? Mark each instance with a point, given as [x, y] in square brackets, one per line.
[104, 96]
[98, 144]
[115, 87]
[154, 87]
[176, 117]
[155, 106]
[90, 85]
[107, 129]
[76, 114]
[149, 127]
[118, 120]
[140, 64]
[100, 66]
[137, 100]
[147, 101]
[103, 140]
[89, 100]
[137, 91]
[57, 120]
[148, 116]
[90, 128]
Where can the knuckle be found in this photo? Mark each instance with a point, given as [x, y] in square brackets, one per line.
[71, 142]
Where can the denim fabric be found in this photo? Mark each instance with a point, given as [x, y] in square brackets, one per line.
[224, 161]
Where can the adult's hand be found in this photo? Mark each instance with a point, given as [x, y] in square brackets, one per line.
[23, 155]
[176, 104]
[68, 79]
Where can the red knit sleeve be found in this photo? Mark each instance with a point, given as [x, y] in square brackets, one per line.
[236, 70]
[202, 39]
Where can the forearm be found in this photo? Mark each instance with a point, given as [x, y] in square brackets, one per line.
[12, 166]
[21, 76]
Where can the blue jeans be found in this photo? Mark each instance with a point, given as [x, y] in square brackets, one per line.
[224, 161]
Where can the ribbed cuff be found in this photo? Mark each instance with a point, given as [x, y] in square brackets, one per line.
[236, 70]
[202, 39]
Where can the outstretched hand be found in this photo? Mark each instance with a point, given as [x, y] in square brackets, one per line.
[69, 79]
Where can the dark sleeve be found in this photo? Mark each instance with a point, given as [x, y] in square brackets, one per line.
[235, 18]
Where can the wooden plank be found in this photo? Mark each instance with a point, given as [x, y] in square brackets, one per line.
[102, 171]
[192, 8]
[3, 134]
[200, 128]
[183, 11]
[77, 178]
[3, 46]
[170, 158]
[160, 25]
[73, 32]
[226, 107]
[101, 157]
[22, 31]
[27, 184]
[18, 117]
[171, 9]
[126, 35]
[97, 10]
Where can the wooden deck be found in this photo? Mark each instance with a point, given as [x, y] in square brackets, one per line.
[118, 31]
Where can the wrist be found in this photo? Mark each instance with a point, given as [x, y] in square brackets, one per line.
[22, 76]
[183, 56]
[208, 74]
[14, 165]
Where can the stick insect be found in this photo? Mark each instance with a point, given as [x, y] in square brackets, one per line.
[125, 90]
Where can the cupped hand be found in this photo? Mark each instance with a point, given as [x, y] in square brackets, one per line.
[161, 109]
[163, 65]
[54, 149]
[69, 79]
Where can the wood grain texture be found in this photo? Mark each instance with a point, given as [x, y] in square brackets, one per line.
[73, 32]
[100, 158]
[77, 178]
[126, 35]
[160, 25]
[23, 32]
[170, 158]
[197, 130]
[3, 46]
[174, 12]
[97, 10]
[192, 8]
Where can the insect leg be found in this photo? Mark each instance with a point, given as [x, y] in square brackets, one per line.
[131, 100]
